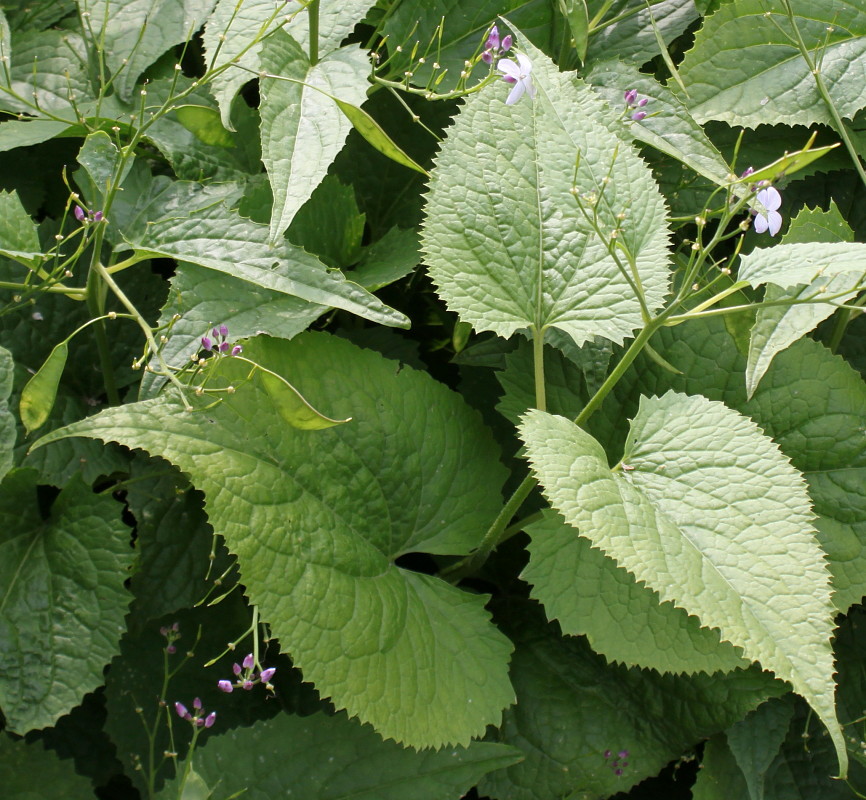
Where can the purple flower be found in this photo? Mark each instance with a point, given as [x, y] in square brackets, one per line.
[623, 754]
[638, 115]
[224, 347]
[249, 663]
[771, 220]
[747, 171]
[180, 708]
[267, 674]
[487, 56]
[206, 343]
[226, 686]
[642, 102]
[78, 211]
[630, 97]
[210, 719]
[492, 42]
[224, 331]
[237, 350]
[196, 704]
[98, 216]
[517, 73]
[506, 43]
[236, 668]
[216, 333]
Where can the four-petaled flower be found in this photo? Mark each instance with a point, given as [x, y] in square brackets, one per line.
[517, 73]
[771, 221]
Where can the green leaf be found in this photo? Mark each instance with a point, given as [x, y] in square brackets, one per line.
[335, 758]
[706, 511]
[719, 777]
[388, 259]
[671, 129]
[205, 124]
[30, 772]
[19, 238]
[302, 128]
[432, 670]
[631, 38]
[134, 33]
[791, 163]
[245, 23]
[525, 255]
[577, 17]
[47, 74]
[746, 68]
[63, 603]
[778, 327]
[38, 396]
[292, 407]
[220, 239]
[590, 595]
[7, 418]
[20, 133]
[787, 265]
[573, 706]
[203, 298]
[100, 158]
[755, 741]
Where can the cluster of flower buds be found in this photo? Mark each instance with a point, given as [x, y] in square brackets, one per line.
[246, 677]
[85, 216]
[493, 47]
[618, 764]
[172, 634]
[632, 101]
[198, 717]
[220, 343]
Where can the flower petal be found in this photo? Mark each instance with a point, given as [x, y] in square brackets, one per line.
[775, 222]
[508, 67]
[516, 93]
[525, 64]
[761, 223]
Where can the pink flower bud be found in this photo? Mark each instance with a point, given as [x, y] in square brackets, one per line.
[206, 343]
[210, 719]
[642, 102]
[507, 42]
[237, 350]
[180, 708]
[248, 685]
[196, 704]
[98, 216]
[226, 686]
[224, 331]
[78, 211]
[236, 668]
[630, 96]
[638, 115]
[267, 674]
[249, 663]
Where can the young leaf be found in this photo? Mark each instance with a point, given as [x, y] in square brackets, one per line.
[525, 255]
[778, 327]
[302, 128]
[335, 758]
[40, 392]
[415, 471]
[746, 68]
[588, 594]
[61, 580]
[707, 512]
[100, 158]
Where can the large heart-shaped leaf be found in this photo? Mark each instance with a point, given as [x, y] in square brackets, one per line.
[505, 240]
[706, 511]
[318, 519]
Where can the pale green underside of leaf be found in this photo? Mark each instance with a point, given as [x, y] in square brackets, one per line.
[30, 772]
[317, 519]
[504, 239]
[778, 327]
[253, 18]
[708, 513]
[136, 32]
[8, 432]
[62, 599]
[302, 129]
[220, 239]
[590, 595]
[744, 70]
[787, 265]
[335, 758]
[673, 132]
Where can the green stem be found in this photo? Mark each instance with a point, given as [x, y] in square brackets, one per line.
[840, 126]
[538, 365]
[96, 306]
[842, 323]
[313, 11]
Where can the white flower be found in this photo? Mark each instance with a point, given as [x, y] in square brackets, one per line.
[770, 199]
[517, 74]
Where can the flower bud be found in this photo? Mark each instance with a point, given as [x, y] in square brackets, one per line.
[226, 686]
[630, 96]
[224, 331]
[206, 343]
[267, 674]
[236, 668]
[78, 211]
[237, 350]
[180, 708]
[507, 42]
[196, 704]
[210, 719]
[249, 663]
[638, 115]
